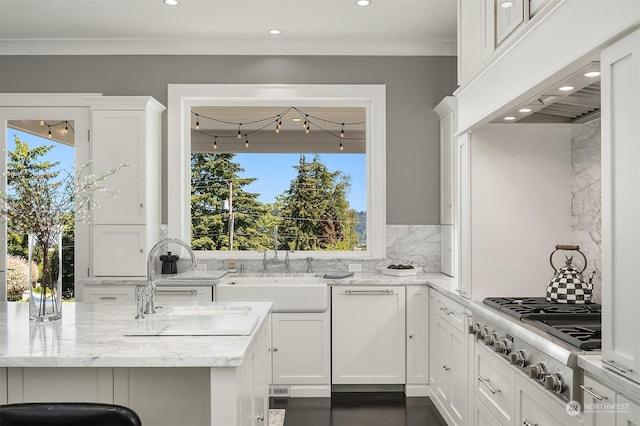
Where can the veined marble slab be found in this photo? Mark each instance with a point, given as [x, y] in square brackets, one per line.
[93, 335]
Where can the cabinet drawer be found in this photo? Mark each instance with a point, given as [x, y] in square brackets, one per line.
[109, 294]
[183, 294]
[593, 394]
[451, 312]
[494, 384]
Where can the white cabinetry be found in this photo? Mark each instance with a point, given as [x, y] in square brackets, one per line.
[446, 110]
[301, 353]
[368, 335]
[603, 406]
[534, 407]
[620, 65]
[183, 294]
[119, 294]
[448, 358]
[494, 384]
[417, 340]
[475, 37]
[126, 130]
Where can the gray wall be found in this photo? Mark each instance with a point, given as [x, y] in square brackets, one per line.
[414, 86]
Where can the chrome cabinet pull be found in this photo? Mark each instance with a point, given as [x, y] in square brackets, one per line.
[612, 364]
[260, 417]
[190, 291]
[487, 383]
[446, 367]
[592, 393]
[528, 423]
[350, 292]
[108, 297]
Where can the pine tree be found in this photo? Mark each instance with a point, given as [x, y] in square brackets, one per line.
[212, 176]
[315, 210]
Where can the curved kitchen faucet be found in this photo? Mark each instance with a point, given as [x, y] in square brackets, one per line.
[145, 295]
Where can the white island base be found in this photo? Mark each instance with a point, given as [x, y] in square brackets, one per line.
[162, 378]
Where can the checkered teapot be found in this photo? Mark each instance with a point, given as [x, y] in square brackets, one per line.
[568, 285]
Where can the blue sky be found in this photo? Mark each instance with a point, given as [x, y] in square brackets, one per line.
[274, 171]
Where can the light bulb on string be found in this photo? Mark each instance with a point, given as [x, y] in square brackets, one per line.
[246, 141]
[215, 142]
[304, 125]
[197, 122]
[341, 146]
[278, 127]
[342, 132]
[42, 122]
[49, 135]
[66, 127]
[306, 130]
[239, 133]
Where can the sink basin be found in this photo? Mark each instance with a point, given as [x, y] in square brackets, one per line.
[288, 293]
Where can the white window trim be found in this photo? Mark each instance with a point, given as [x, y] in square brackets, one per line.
[181, 97]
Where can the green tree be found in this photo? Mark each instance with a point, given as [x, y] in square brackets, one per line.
[213, 175]
[315, 210]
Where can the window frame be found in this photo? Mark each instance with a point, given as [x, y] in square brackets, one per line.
[182, 97]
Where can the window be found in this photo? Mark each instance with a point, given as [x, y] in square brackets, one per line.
[199, 104]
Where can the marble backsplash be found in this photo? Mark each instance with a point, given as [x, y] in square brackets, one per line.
[585, 197]
[417, 245]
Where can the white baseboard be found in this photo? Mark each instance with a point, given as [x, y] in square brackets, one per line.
[310, 391]
[417, 390]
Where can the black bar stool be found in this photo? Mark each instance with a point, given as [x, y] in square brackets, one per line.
[67, 414]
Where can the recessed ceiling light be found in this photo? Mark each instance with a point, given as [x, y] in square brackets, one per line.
[566, 88]
[363, 2]
[274, 31]
[506, 4]
[296, 119]
[509, 118]
[524, 110]
[592, 74]
[170, 2]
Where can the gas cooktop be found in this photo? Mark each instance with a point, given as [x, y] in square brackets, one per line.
[576, 324]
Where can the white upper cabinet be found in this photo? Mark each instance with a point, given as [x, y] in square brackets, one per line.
[620, 65]
[125, 130]
[475, 36]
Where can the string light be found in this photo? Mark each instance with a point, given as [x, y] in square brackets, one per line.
[66, 127]
[215, 142]
[49, 132]
[277, 120]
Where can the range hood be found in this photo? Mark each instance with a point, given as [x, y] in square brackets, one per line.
[575, 99]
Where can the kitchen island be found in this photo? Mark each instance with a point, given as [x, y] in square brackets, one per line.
[189, 364]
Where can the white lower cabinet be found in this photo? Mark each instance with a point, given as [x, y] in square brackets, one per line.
[448, 358]
[120, 294]
[182, 294]
[482, 416]
[119, 250]
[417, 340]
[494, 384]
[368, 335]
[534, 407]
[301, 353]
[604, 406]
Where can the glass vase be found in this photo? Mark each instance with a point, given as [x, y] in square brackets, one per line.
[45, 293]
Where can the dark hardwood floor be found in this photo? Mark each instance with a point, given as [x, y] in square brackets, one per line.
[359, 409]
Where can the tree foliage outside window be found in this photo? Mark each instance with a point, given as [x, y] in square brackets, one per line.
[312, 214]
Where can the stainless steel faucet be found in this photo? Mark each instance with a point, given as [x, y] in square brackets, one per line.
[264, 263]
[145, 296]
[309, 269]
[275, 243]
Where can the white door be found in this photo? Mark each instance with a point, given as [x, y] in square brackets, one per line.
[55, 108]
[368, 335]
[620, 65]
[417, 335]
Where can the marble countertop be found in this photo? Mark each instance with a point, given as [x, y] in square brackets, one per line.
[592, 364]
[104, 335]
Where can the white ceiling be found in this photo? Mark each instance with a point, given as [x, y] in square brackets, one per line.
[309, 27]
